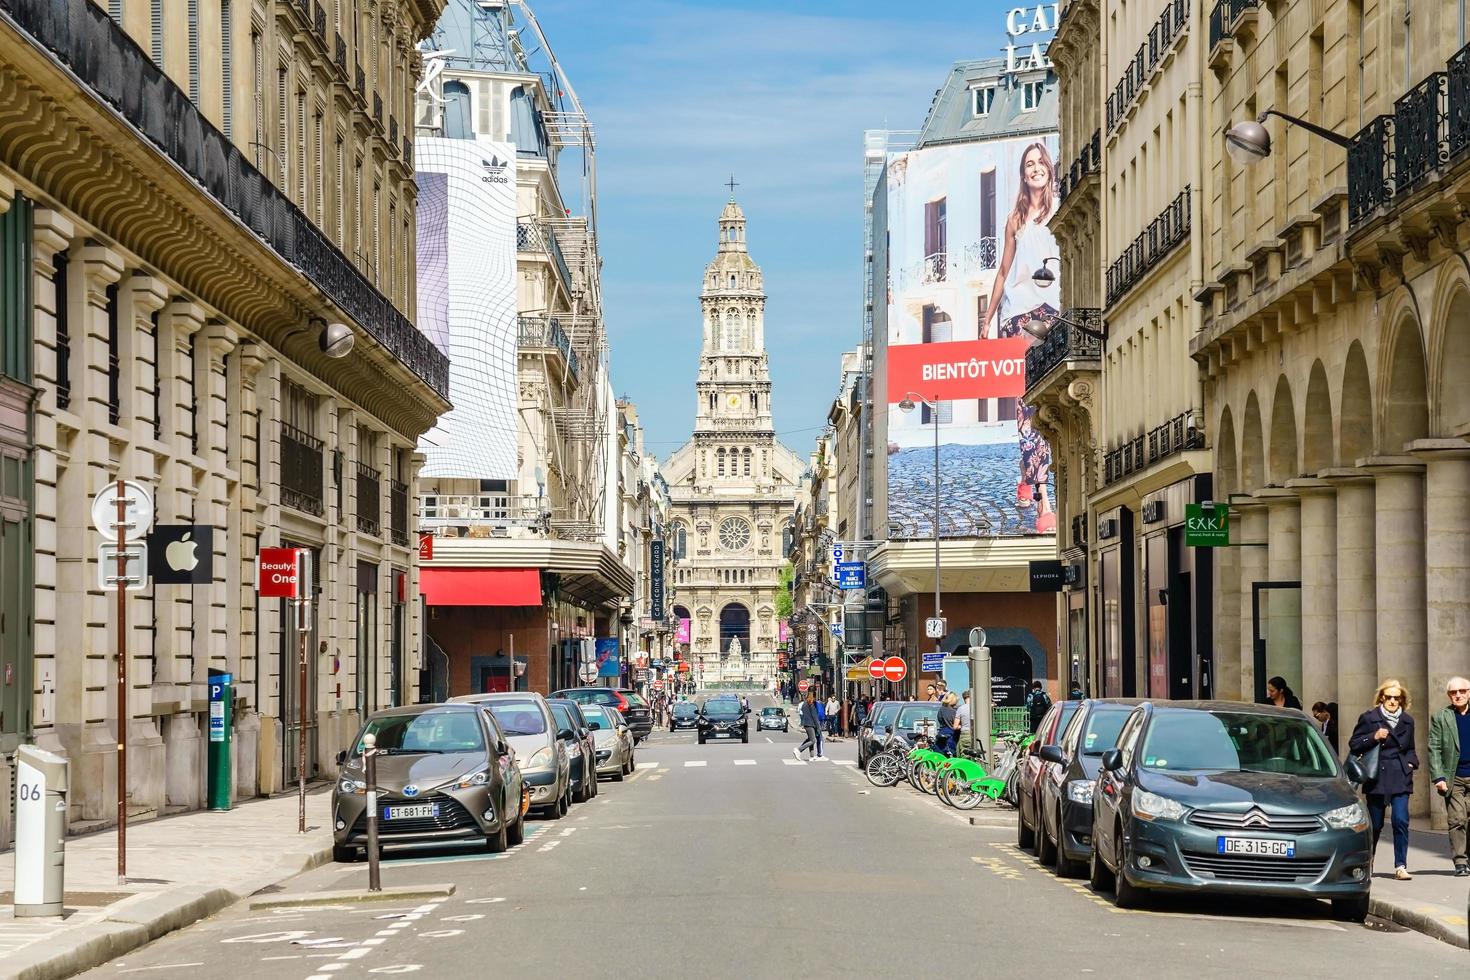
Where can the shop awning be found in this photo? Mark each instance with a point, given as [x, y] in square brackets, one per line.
[481, 586]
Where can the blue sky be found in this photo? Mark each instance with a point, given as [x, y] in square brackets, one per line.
[683, 94]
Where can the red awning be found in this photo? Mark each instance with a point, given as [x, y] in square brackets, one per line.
[481, 586]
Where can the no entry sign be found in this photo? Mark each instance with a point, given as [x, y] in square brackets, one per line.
[876, 668]
[278, 573]
[803, 685]
[894, 669]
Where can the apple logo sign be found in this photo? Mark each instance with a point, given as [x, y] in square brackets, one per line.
[182, 555]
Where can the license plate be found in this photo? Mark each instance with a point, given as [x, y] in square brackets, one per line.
[1255, 846]
[410, 811]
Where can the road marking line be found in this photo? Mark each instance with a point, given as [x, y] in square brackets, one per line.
[794, 762]
[695, 764]
[844, 762]
[768, 740]
[372, 942]
[648, 765]
[166, 966]
[745, 762]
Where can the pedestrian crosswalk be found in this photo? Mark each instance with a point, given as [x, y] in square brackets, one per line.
[706, 763]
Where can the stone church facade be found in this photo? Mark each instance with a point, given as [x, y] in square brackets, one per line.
[732, 486]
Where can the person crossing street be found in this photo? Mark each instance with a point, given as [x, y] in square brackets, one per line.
[811, 724]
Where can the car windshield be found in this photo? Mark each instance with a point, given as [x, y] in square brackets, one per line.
[1103, 726]
[684, 708]
[722, 707]
[563, 716]
[771, 712]
[1230, 740]
[586, 696]
[596, 720]
[911, 716]
[432, 731]
[519, 717]
[636, 700]
[884, 717]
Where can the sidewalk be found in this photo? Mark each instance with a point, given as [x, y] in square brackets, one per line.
[180, 869]
[1434, 902]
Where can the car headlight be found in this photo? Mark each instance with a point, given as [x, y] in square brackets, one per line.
[1350, 817]
[349, 785]
[1151, 806]
[543, 759]
[1080, 791]
[478, 778]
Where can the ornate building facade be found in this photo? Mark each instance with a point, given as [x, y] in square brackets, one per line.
[732, 486]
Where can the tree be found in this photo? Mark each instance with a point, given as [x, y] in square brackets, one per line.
[783, 593]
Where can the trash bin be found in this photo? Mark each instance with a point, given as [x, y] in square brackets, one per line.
[221, 735]
[40, 831]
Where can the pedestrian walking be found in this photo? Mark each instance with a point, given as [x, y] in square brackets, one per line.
[810, 725]
[834, 719]
[1388, 729]
[1326, 717]
[1279, 694]
[1038, 702]
[947, 723]
[821, 724]
[1449, 766]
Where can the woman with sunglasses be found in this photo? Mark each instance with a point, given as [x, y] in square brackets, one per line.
[1389, 726]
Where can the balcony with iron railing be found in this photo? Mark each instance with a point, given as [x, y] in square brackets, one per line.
[546, 333]
[1132, 455]
[1164, 233]
[1230, 20]
[319, 21]
[1087, 164]
[962, 265]
[537, 239]
[482, 515]
[1138, 71]
[398, 512]
[302, 467]
[1066, 344]
[340, 58]
[369, 500]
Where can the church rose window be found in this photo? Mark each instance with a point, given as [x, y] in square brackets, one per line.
[734, 534]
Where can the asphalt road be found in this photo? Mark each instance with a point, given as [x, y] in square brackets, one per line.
[729, 860]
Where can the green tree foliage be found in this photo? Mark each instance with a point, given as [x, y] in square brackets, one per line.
[783, 594]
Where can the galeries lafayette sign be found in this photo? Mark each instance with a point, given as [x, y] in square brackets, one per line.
[958, 369]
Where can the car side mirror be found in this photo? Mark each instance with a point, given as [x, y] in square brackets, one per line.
[565, 735]
[888, 730]
[1053, 753]
[502, 749]
[1112, 760]
[1354, 771]
[341, 757]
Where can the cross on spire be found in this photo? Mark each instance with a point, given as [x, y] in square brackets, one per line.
[732, 184]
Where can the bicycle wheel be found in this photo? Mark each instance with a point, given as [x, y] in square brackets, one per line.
[964, 796]
[942, 779]
[883, 769]
[929, 778]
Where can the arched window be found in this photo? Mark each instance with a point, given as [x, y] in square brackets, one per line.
[720, 456]
[712, 401]
[681, 541]
[755, 402]
[457, 124]
[732, 280]
[732, 331]
[747, 463]
[786, 539]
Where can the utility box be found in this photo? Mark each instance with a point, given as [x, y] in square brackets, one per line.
[40, 831]
[221, 734]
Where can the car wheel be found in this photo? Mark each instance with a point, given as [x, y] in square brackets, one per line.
[496, 842]
[1063, 866]
[1098, 875]
[1350, 909]
[701, 740]
[581, 794]
[1025, 836]
[344, 853]
[620, 775]
[517, 833]
[745, 737]
[566, 802]
[1125, 895]
[1045, 849]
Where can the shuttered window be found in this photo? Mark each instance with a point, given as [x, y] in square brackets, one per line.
[156, 26]
[194, 51]
[227, 68]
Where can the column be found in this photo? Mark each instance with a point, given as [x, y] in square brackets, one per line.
[1226, 654]
[1402, 629]
[1357, 592]
[255, 729]
[1447, 574]
[1282, 607]
[1319, 591]
[1251, 517]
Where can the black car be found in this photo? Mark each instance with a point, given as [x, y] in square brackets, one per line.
[1218, 796]
[870, 736]
[573, 730]
[723, 718]
[684, 714]
[634, 709]
[1064, 802]
[1033, 770]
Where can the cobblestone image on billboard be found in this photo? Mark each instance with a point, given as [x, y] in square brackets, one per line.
[967, 232]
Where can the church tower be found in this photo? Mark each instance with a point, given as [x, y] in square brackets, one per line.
[732, 486]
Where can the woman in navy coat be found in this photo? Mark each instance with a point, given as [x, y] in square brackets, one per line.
[1389, 726]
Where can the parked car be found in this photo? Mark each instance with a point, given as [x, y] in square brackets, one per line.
[444, 773]
[684, 714]
[1033, 770]
[614, 741]
[1064, 811]
[1214, 796]
[572, 729]
[723, 717]
[634, 708]
[871, 735]
[526, 720]
[773, 719]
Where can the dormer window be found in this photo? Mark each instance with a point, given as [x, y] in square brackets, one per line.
[1031, 93]
[984, 99]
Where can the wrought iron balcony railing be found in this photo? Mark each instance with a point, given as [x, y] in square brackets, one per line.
[460, 515]
[1065, 343]
[1420, 140]
[369, 500]
[393, 134]
[1088, 162]
[1172, 22]
[534, 237]
[1370, 166]
[398, 512]
[359, 82]
[1167, 230]
[301, 470]
[537, 332]
[377, 108]
[319, 21]
[1162, 441]
[84, 38]
[340, 58]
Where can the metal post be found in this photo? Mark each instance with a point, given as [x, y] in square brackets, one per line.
[370, 764]
[301, 604]
[122, 686]
[980, 694]
[934, 410]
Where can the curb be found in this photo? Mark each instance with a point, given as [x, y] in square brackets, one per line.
[355, 896]
[143, 917]
[1431, 920]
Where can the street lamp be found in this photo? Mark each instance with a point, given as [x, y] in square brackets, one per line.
[1249, 142]
[906, 406]
[1039, 327]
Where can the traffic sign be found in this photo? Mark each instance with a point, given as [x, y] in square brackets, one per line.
[875, 668]
[802, 685]
[658, 685]
[587, 673]
[137, 510]
[894, 669]
[852, 575]
[931, 662]
[135, 575]
[934, 627]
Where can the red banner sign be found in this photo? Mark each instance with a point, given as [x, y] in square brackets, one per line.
[278, 573]
[426, 546]
[958, 369]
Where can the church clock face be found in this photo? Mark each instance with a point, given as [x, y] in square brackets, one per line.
[734, 534]
[733, 401]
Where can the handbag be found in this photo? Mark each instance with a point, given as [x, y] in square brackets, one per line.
[1368, 762]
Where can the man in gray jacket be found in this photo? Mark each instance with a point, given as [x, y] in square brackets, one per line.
[1449, 766]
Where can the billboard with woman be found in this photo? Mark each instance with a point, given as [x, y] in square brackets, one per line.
[966, 233]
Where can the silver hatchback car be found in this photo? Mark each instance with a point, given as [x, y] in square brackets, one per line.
[526, 720]
[614, 740]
